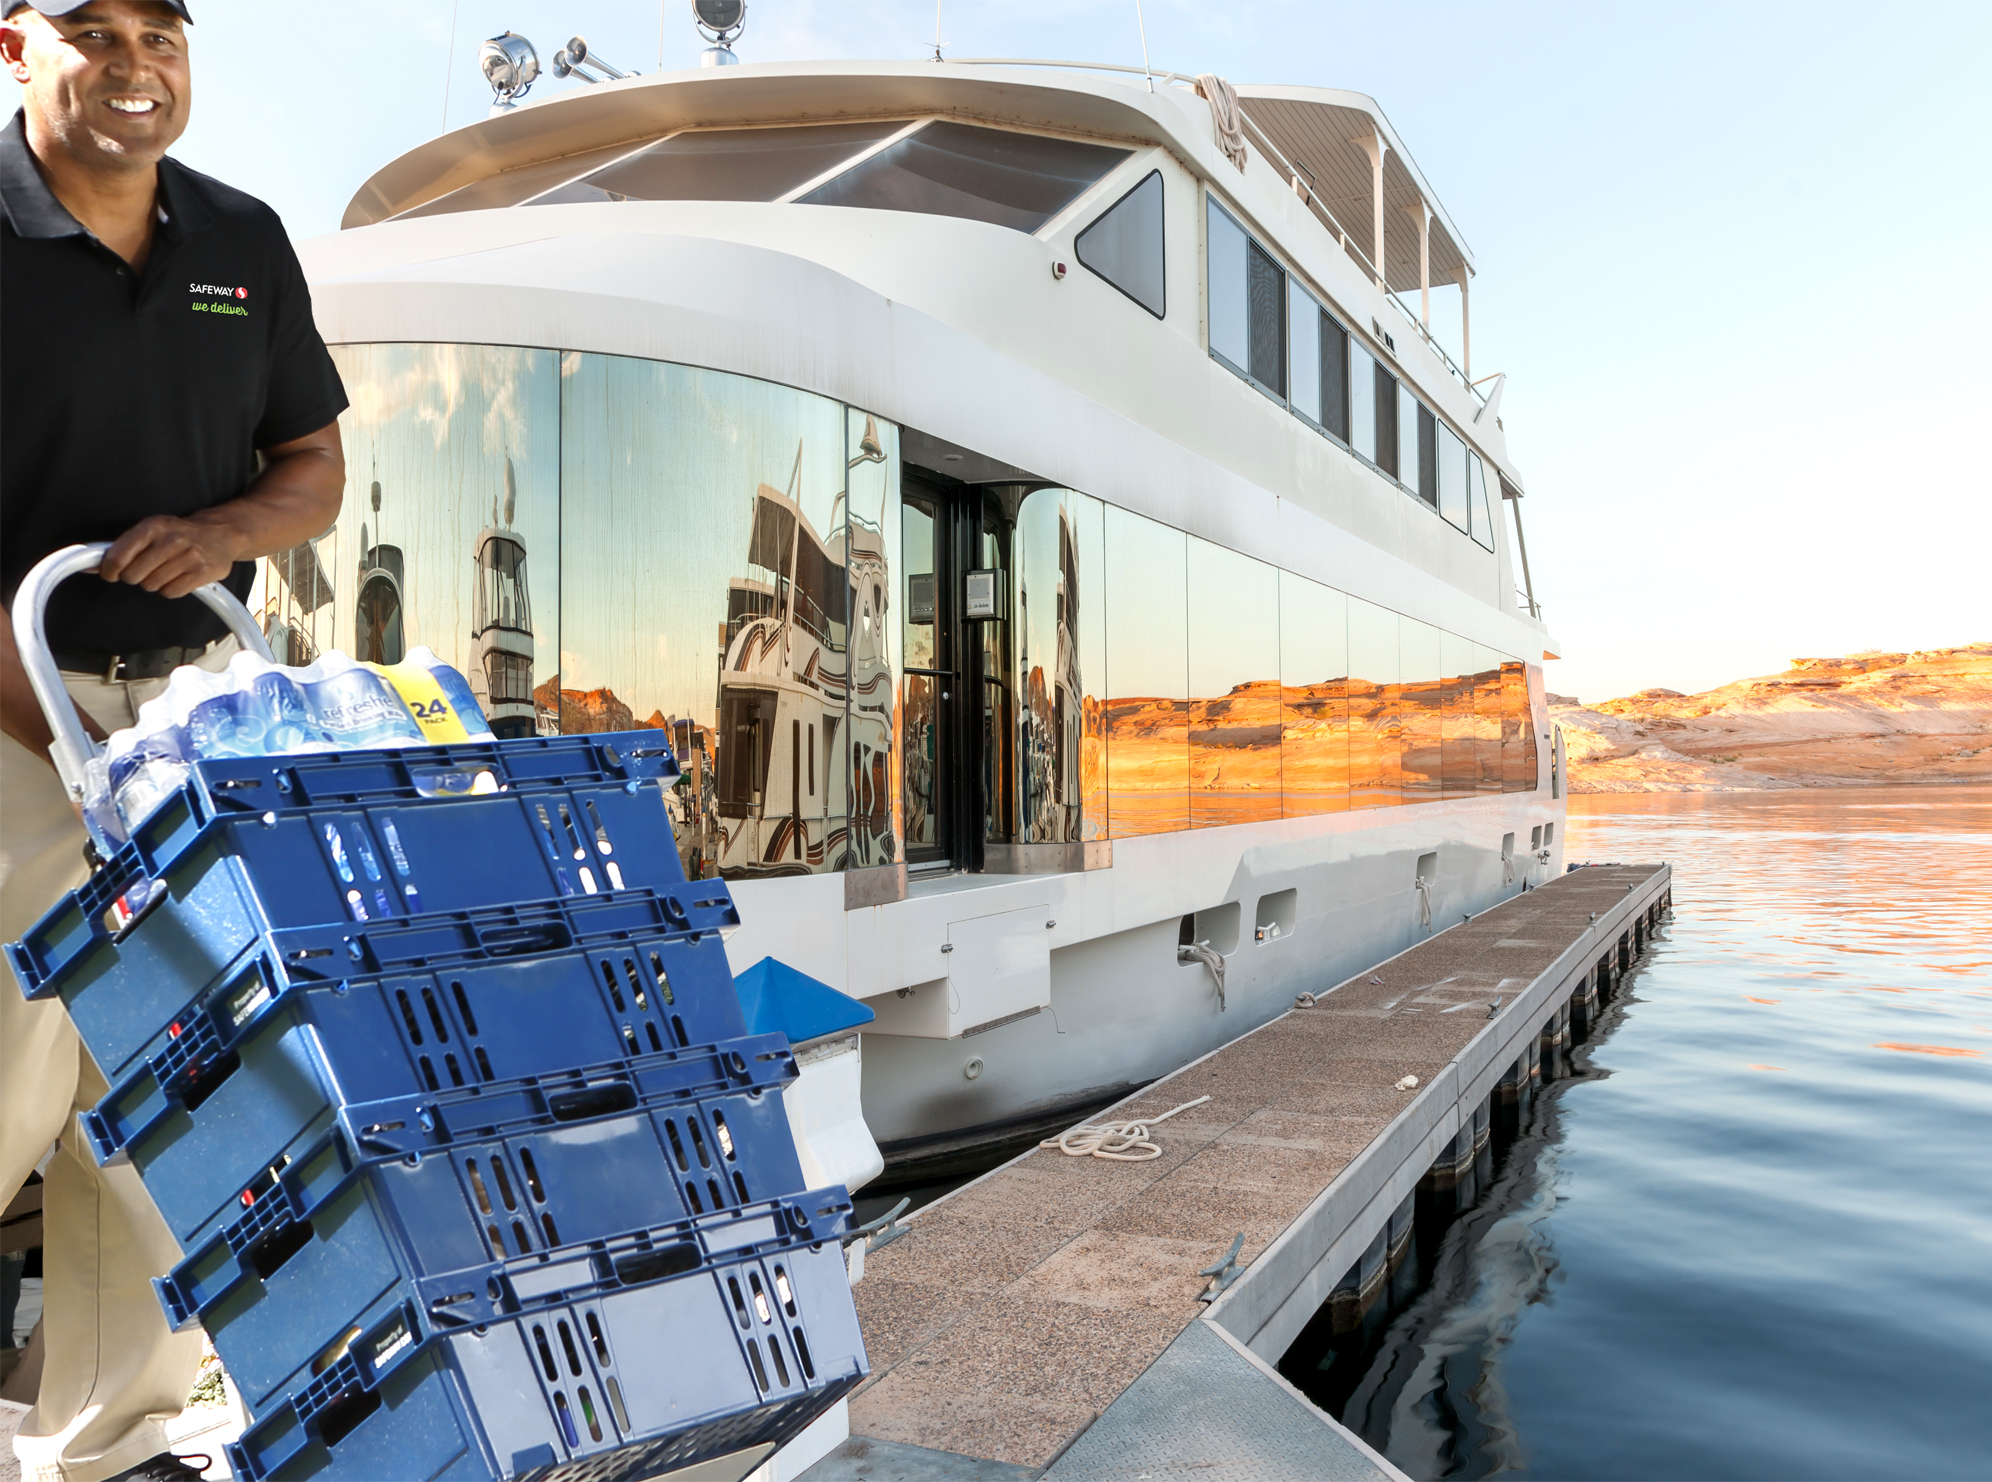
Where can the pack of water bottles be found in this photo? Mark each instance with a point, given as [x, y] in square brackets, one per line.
[257, 708]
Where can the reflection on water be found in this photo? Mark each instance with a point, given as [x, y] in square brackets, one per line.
[1750, 1237]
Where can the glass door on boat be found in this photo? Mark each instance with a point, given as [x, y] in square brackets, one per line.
[929, 647]
[959, 717]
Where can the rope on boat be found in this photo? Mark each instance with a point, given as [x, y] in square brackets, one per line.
[1120, 1142]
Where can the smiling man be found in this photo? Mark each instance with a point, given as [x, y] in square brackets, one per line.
[161, 387]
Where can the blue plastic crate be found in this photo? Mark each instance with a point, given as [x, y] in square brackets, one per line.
[640, 1357]
[382, 1204]
[205, 879]
[264, 1060]
[125, 997]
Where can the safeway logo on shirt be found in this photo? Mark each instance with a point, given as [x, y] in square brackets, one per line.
[203, 291]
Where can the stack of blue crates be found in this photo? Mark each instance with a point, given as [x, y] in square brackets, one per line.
[432, 1061]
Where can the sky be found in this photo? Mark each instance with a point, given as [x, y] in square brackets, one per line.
[1747, 420]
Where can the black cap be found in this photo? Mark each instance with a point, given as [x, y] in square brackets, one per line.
[63, 7]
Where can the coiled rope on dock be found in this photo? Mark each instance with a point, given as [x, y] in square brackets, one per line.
[1121, 1142]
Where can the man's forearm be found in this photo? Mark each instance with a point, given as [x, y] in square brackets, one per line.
[296, 498]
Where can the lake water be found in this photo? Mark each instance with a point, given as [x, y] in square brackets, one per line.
[1751, 1237]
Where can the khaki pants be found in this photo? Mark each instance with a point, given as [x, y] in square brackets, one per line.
[113, 1373]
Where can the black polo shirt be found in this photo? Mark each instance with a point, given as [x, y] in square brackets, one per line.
[125, 394]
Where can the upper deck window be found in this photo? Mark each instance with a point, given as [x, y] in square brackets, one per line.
[724, 164]
[1452, 478]
[954, 169]
[1247, 304]
[510, 187]
[1124, 245]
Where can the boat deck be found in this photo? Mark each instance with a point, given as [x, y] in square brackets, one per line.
[1044, 1319]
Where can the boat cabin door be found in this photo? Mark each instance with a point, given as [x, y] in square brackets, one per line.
[958, 715]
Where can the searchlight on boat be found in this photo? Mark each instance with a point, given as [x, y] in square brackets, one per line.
[511, 66]
[720, 22]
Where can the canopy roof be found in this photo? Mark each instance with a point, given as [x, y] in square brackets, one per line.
[1323, 133]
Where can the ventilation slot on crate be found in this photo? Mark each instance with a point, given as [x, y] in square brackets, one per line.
[566, 1420]
[545, 1352]
[435, 1016]
[802, 1354]
[554, 849]
[592, 1101]
[408, 1017]
[588, 1413]
[649, 1265]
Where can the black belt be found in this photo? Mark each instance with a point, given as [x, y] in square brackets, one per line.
[150, 663]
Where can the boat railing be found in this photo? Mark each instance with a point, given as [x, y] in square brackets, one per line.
[1302, 189]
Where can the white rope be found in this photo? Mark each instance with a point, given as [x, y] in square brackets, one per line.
[1121, 1142]
[1226, 119]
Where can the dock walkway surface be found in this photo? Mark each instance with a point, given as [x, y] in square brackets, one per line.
[1044, 1320]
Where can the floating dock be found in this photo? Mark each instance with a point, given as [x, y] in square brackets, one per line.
[1054, 1318]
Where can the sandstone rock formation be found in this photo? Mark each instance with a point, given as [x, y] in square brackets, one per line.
[1866, 718]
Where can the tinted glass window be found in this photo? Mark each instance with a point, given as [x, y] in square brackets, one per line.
[1452, 478]
[1266, 312]
[1334, 377]
[1362, 403]
[1428, 455]
[1304, 321]
[707, 532]
[1314, 697]
[1387, 446]
[1420, 710]
[1459, 760]
[1058, 612]
[1407, 438]
[1234, 678]
[1374, 747]
[953, 169]
[450, 531]
[1124, 245]
[514, 186]
[1248, 294]
[1476, 499]
[1229, 335]
[1147, 719]
[724, 164]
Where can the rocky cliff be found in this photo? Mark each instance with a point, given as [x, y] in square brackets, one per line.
[1867, 718]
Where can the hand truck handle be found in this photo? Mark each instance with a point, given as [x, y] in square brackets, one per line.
[72, 748]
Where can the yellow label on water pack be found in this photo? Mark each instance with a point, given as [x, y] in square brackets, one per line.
[419, 691]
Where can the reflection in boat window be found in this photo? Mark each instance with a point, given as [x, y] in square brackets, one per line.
[510, 187]
[603, 543]
[955, 169]
[724, 164]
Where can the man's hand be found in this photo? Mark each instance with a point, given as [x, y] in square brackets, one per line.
[172, 556]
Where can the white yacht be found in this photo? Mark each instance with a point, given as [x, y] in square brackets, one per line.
[1086, 599]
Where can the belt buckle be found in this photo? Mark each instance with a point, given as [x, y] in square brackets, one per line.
[111, 669]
